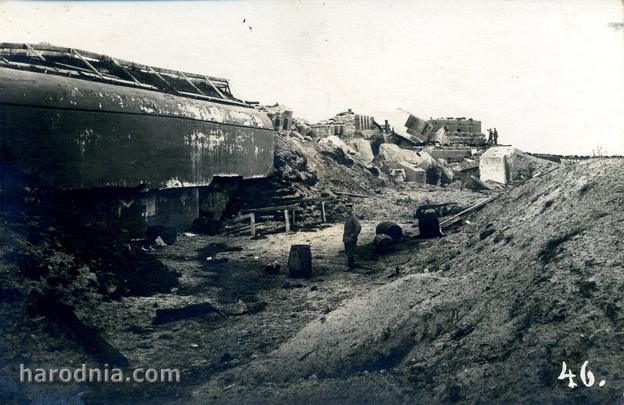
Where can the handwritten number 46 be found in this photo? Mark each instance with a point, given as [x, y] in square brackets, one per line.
[587, 377]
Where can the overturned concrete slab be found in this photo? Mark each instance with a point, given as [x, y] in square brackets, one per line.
[496, 164]
[456, 154]
[440, 137]
[363, 149]
[418, 127]
[412, 173]
[504, 164]
[390, 155]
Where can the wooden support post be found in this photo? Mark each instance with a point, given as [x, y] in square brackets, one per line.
[252, 223]
[293, 216]
[323, 217]
[286, 221]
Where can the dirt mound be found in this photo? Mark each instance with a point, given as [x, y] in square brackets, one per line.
[537, 282]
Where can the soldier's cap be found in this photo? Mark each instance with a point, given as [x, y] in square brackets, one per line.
[349, 205]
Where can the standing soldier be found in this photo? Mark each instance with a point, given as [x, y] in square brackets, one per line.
[490, 136]
[352, 229]
[495, 137]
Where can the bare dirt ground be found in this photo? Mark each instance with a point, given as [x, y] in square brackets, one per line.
[260, 311]
[485, 314]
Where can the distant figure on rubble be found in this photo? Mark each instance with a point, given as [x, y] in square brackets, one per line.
[352, 229]
[495, 137]
[490, 136]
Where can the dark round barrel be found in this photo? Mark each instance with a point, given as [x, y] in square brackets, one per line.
[383, 243]
[300, 261]
[391, 229]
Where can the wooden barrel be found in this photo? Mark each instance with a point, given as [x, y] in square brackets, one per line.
[391, 229]
[300, 261]
[383, 243]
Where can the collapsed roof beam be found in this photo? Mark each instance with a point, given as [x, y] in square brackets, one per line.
[214, 87]
[126, 71]
[86, 62]
[151, 70]
[192, 84]
[36, 52]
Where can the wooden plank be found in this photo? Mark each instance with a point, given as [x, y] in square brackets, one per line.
[86, 62]
[352, 194]
[252, 223]
[475, 207]
[186, 93]
[286, 221]
[272, 209]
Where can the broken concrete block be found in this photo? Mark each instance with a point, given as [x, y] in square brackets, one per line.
[397, 175]
[453, 154]
[363, 149]
[336, 148]
[414, 174]
[416, 126]
[504, 164]
[436, 173]
[440, 137]
[476, 184]
[499, 164]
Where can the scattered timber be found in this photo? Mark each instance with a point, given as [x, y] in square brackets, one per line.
[457, 217]
[351, 194]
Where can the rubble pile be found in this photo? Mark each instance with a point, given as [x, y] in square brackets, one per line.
[74, 262]
[350, 154]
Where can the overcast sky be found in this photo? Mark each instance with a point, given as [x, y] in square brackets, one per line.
[548, 74]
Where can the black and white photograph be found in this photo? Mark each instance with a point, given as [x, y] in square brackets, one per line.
[311, 202]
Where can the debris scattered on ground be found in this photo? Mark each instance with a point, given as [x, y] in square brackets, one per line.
[272, 267]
